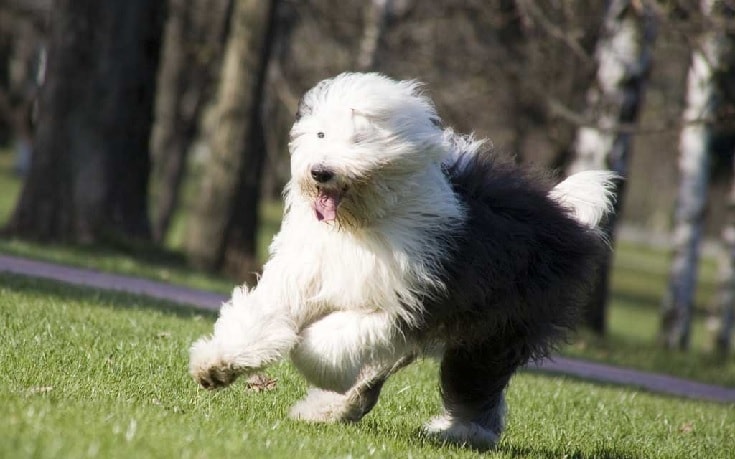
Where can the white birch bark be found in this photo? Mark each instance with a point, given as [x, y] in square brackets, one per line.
[701, 100]
[375, 19]
[722, 317]
[624, 57]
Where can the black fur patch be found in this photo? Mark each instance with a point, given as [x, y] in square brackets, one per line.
[521, 268]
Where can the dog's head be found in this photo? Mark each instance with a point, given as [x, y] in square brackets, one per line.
[358, 142]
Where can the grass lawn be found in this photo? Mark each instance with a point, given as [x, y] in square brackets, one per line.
[91, 374]
[638, 282]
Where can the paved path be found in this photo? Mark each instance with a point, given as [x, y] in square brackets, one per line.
[107, 281]
[559, 365]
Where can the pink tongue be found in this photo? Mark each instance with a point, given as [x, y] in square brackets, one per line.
[325, 206]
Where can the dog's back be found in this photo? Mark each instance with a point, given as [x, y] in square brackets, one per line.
[521, 261]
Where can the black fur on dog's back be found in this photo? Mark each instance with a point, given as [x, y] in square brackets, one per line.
[520, 270]
[520, 262]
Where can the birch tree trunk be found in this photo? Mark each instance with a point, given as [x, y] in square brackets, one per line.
[624, 58]
[722, 318]
[375, 20]
[224, 218]
[708, 61]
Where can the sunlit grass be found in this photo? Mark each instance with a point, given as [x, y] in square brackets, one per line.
[90, 374]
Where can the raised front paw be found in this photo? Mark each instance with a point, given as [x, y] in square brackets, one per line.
[209, 368]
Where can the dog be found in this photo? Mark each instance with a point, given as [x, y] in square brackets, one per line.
[401, 238]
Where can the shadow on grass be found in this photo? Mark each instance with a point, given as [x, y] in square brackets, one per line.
[105, 298]
[389, 431]
[598, 453]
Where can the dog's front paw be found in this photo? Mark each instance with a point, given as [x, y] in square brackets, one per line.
[209, 368]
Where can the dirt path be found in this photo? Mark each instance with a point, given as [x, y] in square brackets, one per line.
[652, 382]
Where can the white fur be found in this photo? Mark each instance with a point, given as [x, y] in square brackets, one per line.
[447, 429]
[589, 195]
[375, 263]
[246, 337]
[333, 292]
[319, 406]
[333, 350]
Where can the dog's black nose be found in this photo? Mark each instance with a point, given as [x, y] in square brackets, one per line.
[321, 174]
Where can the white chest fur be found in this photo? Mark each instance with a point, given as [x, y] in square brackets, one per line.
[334, 269]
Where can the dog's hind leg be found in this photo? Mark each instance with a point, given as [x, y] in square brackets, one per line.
[473, 382]
[325, 406]
[348, 355]
[334, 351]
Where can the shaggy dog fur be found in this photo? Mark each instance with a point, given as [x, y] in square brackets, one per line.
[401, 238]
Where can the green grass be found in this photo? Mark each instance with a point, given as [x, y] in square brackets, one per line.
[91, 374]
[638, 283]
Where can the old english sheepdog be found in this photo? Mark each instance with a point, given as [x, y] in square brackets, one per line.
[402, 238]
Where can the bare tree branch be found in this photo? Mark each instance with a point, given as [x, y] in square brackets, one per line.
[533, 14]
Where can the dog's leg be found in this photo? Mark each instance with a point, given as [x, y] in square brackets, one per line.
[321, 405]
[251, 332]
[349, 355]
[335, 349]
[473, 382]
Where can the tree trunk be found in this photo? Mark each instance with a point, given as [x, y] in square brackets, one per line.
[701, 102]
[89, 172]
[224, 218]
[513, 38]
[376, 16]
[722, 317]
[624, 56]
[193, 46]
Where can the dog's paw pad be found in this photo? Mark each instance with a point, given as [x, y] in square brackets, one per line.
[467, 433]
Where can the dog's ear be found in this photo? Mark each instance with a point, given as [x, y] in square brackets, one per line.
[363, 125]
[302, 110]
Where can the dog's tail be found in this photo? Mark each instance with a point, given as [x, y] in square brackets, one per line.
[589, 195]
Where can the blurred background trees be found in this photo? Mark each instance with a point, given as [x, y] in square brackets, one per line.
[166, 122]
[88, 174]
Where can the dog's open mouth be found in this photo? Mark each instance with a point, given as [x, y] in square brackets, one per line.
[326, 203]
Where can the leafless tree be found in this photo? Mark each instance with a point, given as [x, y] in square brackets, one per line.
[89, 174]
[722, 318]
[376, 16]
[191, 55]
[223, 225]
[624, 59]
[708, 60]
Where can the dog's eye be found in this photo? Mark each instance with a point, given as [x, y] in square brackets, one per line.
[320, 135]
